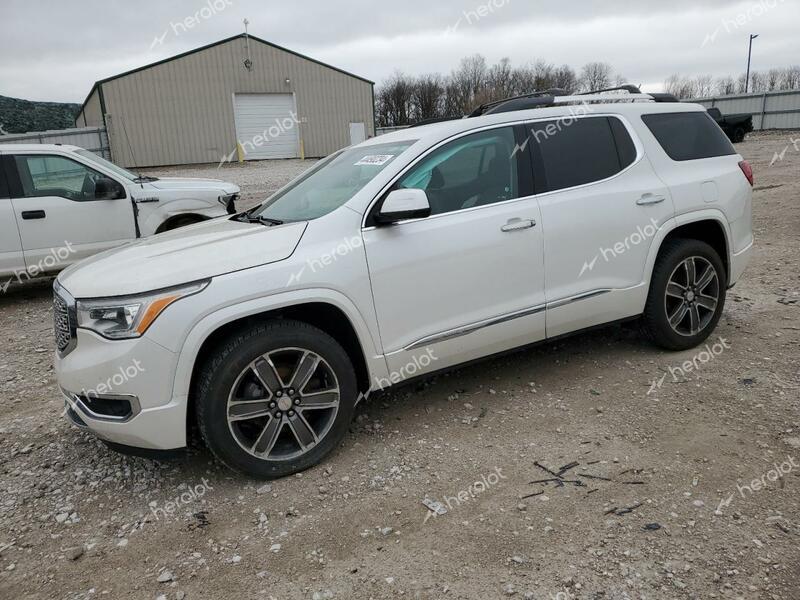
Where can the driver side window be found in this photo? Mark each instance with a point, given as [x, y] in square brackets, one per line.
[474, 170]
[48, 175]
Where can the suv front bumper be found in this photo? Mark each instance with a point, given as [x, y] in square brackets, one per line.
[121, 390]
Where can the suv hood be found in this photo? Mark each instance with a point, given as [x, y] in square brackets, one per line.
[181, 256]
[192, 183]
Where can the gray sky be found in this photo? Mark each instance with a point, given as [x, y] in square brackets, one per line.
[54, 50]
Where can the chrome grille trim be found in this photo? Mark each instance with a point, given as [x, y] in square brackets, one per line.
[65, 319]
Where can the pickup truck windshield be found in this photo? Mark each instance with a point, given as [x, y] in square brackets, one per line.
[108, 165]
[331, 183]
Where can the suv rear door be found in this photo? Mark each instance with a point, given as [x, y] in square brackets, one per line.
[60, 219]
[602, 205]
[11, 258]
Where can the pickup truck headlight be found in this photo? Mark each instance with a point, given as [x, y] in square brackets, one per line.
[126, 317]
[229, 202]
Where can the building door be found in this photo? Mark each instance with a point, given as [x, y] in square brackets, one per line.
[266, 125]
[358, 133]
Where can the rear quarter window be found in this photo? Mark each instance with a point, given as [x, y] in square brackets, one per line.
[688, 135]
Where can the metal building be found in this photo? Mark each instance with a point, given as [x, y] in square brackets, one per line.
[196, 106]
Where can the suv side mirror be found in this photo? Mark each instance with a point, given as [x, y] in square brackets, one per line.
[403, 204]
[106, 188]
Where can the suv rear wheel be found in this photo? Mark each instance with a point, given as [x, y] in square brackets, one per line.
[277, 399]
[687, 294]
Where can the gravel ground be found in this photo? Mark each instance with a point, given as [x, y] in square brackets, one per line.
[659, 509]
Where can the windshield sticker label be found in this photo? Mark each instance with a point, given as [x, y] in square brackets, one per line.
[375, 160]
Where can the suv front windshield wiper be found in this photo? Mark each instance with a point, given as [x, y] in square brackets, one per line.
[145, 179]
[246, 217]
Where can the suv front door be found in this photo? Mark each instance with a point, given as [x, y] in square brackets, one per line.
[60, 217]
[468, 280]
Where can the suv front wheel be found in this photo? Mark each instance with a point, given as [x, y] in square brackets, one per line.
[276, 399]
[687, 294]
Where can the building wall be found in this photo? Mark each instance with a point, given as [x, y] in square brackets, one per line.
[181, 111]
[91, 115]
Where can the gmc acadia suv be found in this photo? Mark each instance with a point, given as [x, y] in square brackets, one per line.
[406, 254]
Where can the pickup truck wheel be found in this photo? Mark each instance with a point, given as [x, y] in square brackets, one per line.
[277, 399]
[687, 294]
[738, 135]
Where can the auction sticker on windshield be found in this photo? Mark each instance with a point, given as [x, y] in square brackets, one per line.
[374, 160]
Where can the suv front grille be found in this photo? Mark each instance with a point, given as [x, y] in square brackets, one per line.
[63, 320]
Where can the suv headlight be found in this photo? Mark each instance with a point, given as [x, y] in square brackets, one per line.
[125, 317]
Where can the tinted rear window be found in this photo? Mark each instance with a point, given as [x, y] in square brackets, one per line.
[583, 151]
[689, 135]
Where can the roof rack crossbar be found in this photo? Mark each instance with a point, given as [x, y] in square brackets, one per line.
[631, 89]
[538, 93]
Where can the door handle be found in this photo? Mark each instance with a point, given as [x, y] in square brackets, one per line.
[518, 224]
[27, 215]
[650, 199]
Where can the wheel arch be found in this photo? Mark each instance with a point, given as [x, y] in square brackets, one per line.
[709, 226]
[190, 218]
[323, 311]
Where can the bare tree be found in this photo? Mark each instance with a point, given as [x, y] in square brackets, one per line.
[427, 97]
[704, 86]
[680, 87]
[596, 76]
[394, 101]
[726, 86]
[564, 77]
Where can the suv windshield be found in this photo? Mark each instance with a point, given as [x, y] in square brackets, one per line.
[108, 165]
[331, 183]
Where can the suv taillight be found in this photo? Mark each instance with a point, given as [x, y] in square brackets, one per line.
[747, 170]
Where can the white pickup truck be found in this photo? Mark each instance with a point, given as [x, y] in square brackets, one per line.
[60, 204]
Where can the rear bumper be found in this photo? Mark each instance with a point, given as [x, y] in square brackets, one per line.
[739, 262]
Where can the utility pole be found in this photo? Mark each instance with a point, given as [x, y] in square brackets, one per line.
[749, 55]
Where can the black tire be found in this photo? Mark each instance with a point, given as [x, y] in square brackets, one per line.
[738, 135]
[224, 370]
[655, 320]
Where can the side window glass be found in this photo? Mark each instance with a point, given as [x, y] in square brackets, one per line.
[43, 175]
[474, 170]
[578, 151]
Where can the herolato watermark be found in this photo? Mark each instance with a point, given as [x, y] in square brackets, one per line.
[211, 8]
[415, 366]
[771, 476]
[192, 494]
[778, 156]
[475, 489]
[554, 127]
[699, 360]
[481, 11]
[343, 248]
[121, 377]
[53, 261]
[273, 132]
[639, 236]
[742, 19]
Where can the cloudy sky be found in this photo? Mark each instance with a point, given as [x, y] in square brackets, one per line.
[54, 50]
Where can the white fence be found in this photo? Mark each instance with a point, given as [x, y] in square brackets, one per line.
[94, 139]
[770, 110]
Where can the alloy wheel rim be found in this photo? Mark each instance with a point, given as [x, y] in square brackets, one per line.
[283, 404]
[692, 296]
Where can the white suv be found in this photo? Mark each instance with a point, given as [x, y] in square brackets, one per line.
[60, 204]
[403, 255]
